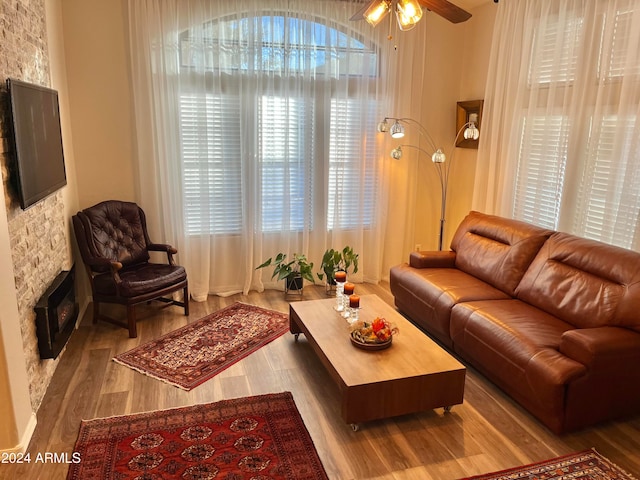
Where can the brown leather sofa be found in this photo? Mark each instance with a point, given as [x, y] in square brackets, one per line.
[551, 318]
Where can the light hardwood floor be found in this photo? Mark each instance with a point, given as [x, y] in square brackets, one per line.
[487, 432]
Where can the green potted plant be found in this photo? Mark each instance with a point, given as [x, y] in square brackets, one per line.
[334, 260]
[293, 272]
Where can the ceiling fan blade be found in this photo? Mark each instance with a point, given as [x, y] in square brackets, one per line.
[359, 15]
[447, 10]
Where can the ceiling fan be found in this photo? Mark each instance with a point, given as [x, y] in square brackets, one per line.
[409, 12]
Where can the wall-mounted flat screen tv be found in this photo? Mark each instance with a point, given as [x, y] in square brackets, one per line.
[37, 141]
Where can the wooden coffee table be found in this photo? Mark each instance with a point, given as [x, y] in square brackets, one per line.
[413, 375]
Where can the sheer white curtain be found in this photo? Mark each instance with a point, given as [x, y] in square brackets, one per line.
[256, 132]
[405, 69]
[561, 137]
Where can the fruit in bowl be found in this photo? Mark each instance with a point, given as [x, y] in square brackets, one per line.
[378, 331]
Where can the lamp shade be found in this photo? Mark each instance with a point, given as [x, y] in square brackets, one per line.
[438, 156]
[472, 132]
[396, 153]
[408, 13]
[397, 130]
[383, 126]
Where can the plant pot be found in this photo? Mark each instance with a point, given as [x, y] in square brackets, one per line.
[330, 285]
[330, 288]
[293, 285]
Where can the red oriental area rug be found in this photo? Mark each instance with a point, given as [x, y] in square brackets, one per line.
[587, 465]
[258, 438]
[193, 354]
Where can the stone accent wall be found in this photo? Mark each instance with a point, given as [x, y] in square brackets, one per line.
[37, 235]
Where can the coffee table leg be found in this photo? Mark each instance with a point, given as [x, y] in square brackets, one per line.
[355, 427]
[294, 326]
[448, 408]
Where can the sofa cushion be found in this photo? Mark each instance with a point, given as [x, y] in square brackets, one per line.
[496, 250]
[514, 330]
[140, 279]
[585, 283]
[427, 295]
[516, 346]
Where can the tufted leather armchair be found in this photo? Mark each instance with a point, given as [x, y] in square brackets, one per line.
[114, 244]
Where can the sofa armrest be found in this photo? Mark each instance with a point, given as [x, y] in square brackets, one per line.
[434, 259]
[602, 347]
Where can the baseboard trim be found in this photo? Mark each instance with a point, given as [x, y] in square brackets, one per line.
[83, 310]
[26, 437]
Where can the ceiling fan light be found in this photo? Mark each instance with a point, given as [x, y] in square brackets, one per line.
[408, 13]
[376, 12]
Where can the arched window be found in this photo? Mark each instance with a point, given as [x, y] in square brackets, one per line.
[282, 107]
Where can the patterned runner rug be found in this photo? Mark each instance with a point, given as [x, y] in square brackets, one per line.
[246, 438]
[587, 465]
[193, 354]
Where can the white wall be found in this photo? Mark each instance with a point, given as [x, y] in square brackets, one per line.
[98, 72]
[59, 81]
[474, 59]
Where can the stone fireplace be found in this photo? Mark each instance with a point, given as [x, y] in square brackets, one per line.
[56, 314]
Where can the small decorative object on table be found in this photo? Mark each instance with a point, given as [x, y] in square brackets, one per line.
[347, 292]
[341, 278]
[354, 308]
[376, 335]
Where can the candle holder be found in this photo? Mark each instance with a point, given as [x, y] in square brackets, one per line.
[346, 293]
[354, 308]
[339, 307]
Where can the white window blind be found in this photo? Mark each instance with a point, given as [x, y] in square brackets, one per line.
[212, 173]
[541, 170]
[613, 62]
[286, 159]
[610, 189]
[554, 51]
[355, 181]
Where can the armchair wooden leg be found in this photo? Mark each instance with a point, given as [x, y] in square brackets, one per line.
[96, 311]
[186, 300]
[131, 320]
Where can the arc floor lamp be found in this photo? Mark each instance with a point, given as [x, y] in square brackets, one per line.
[397, 130]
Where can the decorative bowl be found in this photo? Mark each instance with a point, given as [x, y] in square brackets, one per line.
[373, 335]
[370, 346]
